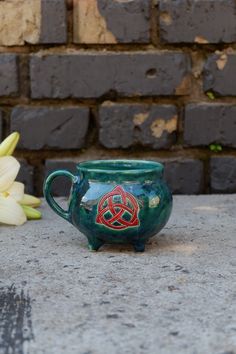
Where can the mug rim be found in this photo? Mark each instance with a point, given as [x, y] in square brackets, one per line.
[145, 166]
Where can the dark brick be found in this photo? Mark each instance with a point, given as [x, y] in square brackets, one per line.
[53, 21]
[128, 21]
[210, 123]
[88, 75]
[124, 125]
[198, 21]
[218, 75]
[26, 176]
[184, 176]
[49, 127]
[8, 74]
[61, 186]
[103, 21]
[223, 174]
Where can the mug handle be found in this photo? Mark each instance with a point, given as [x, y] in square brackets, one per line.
[49, 198]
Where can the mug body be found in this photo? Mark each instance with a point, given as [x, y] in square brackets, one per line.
[119, 201]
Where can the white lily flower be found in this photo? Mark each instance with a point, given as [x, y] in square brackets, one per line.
[9, 168]
[11, 212]
[15, 206]
[11, 192]
[16, 191]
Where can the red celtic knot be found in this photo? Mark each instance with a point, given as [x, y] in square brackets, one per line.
[118, 210]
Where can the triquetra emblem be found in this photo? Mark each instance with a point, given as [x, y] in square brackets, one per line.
[118, 210]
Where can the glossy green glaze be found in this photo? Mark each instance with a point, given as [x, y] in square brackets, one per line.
[115, 201]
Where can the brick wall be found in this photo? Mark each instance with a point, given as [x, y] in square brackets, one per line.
[148, 79]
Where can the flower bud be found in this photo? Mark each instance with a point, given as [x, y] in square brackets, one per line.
[8, 145]
[31, 213]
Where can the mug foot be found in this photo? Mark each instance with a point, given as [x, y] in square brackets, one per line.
[139, 246]
[95, 244]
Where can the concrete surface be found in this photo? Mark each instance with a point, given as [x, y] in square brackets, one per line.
[178, 297]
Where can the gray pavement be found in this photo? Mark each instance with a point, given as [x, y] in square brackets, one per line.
[179, 296]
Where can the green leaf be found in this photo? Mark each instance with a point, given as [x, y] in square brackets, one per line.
[212, 147]
[215, 147]
[210, 95]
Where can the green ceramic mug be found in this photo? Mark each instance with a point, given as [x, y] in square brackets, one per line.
[115, 201]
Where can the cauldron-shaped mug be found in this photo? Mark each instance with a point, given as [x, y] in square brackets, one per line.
[115, 201]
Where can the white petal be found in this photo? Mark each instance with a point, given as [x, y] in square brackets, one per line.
[11, 213]
[16, 191]
[9, 168]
